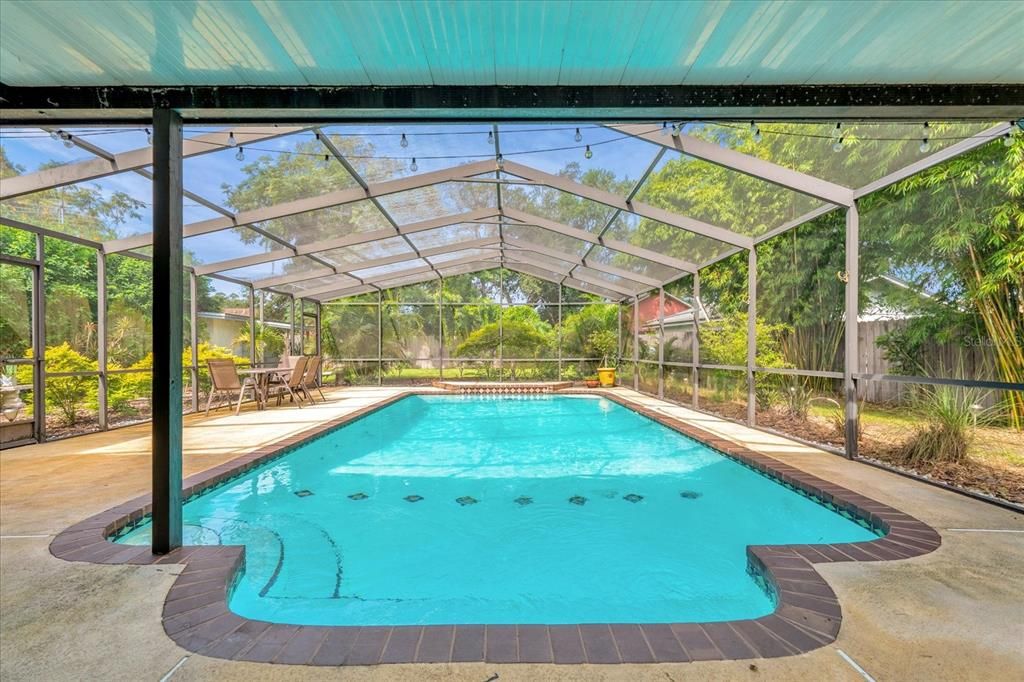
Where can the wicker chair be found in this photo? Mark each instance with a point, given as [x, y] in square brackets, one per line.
[312, 378]
[224, 376]
[293, 386]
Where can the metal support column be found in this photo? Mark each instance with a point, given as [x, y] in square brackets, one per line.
[636, 343]
[39, 348]
[852, 351]
[559, 331]
[501, 321]
[618, 339]
[101, 337]
[695, 370]
[252, 327]
[751, 335]
[440, 327]
[260, 327]
[193, 317]
[380, 343]
[661, 342]
[167, 318]
[291, 326]
[318, 333]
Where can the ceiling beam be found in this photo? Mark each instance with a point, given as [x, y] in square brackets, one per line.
[559, 278]
[398, 274]
[578, 261]
[376, 103]
[644, 210]
[328, 200]
[93, 169]
[941, 156]
[752, 166]
[341, 242]
[514, 257]
[613, 244]
[376, 262]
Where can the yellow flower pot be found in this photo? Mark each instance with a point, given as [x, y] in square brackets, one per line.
[606, 375]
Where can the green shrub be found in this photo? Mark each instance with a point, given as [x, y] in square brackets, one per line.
[950, 415]
[65, 396]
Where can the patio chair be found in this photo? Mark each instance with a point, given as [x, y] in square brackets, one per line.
[294, 383]
[312, 378]
[224, 377]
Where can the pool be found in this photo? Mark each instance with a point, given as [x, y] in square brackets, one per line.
[538, 509]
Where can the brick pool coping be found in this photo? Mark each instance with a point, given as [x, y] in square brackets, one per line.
[807, 616]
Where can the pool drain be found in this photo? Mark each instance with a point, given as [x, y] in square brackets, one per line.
[577, 500]
[465, 500]
[358, 496]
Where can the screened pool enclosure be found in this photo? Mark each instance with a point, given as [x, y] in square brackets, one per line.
[799, 276]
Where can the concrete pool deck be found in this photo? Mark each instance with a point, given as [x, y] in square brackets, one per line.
[957, 613]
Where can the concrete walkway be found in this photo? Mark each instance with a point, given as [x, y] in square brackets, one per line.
[957, 613]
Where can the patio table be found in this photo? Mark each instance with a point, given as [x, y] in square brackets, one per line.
[262, 377]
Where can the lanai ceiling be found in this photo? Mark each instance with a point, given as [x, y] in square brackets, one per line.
[629, 42]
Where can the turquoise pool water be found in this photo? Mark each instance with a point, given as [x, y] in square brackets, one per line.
[446, 510]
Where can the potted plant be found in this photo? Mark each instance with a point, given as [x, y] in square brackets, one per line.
[591, 382]
[605, 343]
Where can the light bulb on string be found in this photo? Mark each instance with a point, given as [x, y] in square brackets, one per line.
[926, 131]
[664, 127]
[327, 159]
[579, 136]
[149, 137]
[838, 130]
[753, 127]
[925, 145]
[413, 167]
[404, 142]
[676, 129]
[588, 154]
[501, 161]
[67, 140]
[490, 137]
[757, 135]
[837, 146]
[240, 154]
[232, 142]
[54, 135]
[1007, 140]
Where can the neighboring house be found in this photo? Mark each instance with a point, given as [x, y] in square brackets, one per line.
[224, 327]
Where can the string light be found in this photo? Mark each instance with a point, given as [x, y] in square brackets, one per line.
[403, 142]
[54, 135]
[240, 154]
[149, 137]
[664, 128]
[756, 131]
[925, 145]
[327, 159]
[837, 146]
[232, 142]
[838, 130]
[501, 162]
[675, 130]
[490, 137]
[579, 136]
[413, 167]
[67, 140]
[1007, 140]
[588, 154]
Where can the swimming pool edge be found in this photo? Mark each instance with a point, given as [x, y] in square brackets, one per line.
[807, 614]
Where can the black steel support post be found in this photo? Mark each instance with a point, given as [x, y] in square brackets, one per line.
[167, 331]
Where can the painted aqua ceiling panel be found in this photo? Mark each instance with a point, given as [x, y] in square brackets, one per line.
[554, 42]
